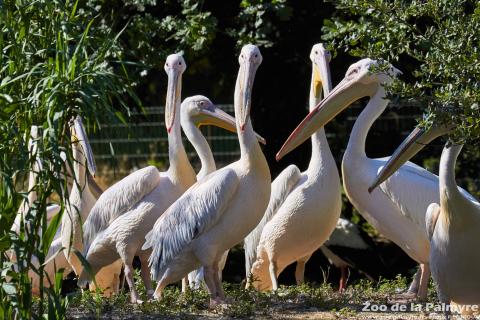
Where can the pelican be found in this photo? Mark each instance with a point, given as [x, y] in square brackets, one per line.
[398, 208]
[82, 197]
[124, 213]
[304, 206]
[452, 223]
[52, 263]
[220, 210]
[80, 200]
[196, 111]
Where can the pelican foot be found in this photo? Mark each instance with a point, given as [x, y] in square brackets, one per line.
[136, 301]
[150, 294]
[218, 303]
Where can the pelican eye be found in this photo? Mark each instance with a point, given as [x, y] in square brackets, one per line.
[353, 72]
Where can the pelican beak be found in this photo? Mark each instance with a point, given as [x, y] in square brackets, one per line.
[321, 76]
[246, 83]
[412, 145]
[172, 98]
[343, 95]
[33, 146]
[219, 118]
[80, 136]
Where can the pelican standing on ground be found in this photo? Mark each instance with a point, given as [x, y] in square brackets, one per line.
[82, 197]
[304, 207]
[397, 209]
[125, 212]
[59, 261]
[80, 200]
[452, 226]
[218, 212]
[196, 111]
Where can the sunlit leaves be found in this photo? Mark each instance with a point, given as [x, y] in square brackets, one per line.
[436, 42]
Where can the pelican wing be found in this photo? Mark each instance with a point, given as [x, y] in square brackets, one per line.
[195, 212]
[117, 200]
[346, 234]
[431, 217]
[52, 210]
[281, 188]
[413, 189]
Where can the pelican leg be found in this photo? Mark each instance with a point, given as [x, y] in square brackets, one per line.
[424, 279]
[218, 282]
[145, 273]
[300, 269]
[211, 287]
[134, 298]
[273, 275]
[445, 300]
[415, 282]
[343, 279]
[159, 289]
[185, 286]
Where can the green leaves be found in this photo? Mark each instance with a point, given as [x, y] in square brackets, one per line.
[436, 44]
[58, 61]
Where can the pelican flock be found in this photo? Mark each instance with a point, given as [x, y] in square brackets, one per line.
[197, 229]
[181, 224]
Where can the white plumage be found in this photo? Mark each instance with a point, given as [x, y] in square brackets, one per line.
[451, 226]
[305, 209]
[196, 111]
[139, 206]
[398, 209]
[219, 211]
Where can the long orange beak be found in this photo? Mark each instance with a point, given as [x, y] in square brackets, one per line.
[172, 98]
[220, 118]
[342, 96]
[414, 143]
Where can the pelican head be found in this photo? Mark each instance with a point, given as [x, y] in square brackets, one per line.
[250, 58]
[174, 67]
[201, 111]
[413, 144]
[320, 69]
[78, 136]
[361, 80]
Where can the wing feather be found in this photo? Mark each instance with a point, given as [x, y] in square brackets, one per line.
[195, 212]
[281, 188]
[346, 234]
[433, 211]
[117, 200]
[413, 189]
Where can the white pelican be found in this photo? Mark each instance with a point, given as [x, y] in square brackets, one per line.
[304, 206]
[52, 264]
[397, 209]
[82, 197]
[80, 200]
[452, 226]
[196, 111]
[125, 212]
[220, 210]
